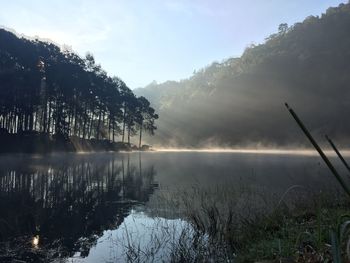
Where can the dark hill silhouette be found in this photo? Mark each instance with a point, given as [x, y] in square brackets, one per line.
[240, 101]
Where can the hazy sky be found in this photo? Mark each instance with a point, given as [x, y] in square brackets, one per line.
[160, 40]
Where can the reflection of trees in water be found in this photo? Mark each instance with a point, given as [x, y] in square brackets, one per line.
[72, 201]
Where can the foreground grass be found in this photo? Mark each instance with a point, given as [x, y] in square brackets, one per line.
[290, 236]
[313, 228]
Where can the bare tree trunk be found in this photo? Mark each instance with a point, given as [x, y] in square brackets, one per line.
[124, 113]
[109, 128]
[31, 119]
[99, 125]
[75, 121]
[113, 129]
[49, 119]
[140, 135]
[129, 133]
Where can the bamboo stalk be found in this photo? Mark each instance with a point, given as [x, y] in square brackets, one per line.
[338, 153]
[319, 150]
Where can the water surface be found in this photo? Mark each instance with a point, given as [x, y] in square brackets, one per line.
[93, 207]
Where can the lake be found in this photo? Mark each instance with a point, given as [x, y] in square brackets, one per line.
[113, 207]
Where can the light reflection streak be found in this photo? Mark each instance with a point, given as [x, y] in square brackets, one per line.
[254, 151]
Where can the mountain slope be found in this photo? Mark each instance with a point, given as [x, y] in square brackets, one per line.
[240, 101]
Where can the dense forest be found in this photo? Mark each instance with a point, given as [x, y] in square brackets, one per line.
[239, 101]
[52, 92]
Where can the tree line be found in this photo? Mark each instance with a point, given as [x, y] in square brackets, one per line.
[45, 89]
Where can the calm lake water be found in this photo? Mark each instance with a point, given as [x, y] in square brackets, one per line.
[94, 207]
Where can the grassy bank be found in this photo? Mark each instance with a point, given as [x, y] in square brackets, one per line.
[312, 227]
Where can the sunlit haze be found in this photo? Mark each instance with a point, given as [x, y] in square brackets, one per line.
[142, 41]
[174, 131]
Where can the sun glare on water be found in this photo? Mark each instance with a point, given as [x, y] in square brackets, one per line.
[35, 241]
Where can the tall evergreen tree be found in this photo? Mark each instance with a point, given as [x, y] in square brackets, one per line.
[50, 91]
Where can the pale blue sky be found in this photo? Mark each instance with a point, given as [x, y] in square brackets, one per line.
[160, 40]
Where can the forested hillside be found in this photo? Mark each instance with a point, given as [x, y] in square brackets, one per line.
[239, 102]
[48, 91]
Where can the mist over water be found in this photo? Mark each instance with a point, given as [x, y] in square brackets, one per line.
[278, 151]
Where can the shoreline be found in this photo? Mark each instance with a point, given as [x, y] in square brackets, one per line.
[25, 145]
[45, 144]
[270, 151]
